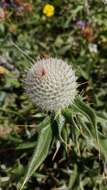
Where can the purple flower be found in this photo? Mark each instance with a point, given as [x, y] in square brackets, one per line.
[4, 5]
[81, 24]
[10, 4]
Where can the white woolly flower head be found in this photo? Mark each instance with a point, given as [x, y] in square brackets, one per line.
[51, 84]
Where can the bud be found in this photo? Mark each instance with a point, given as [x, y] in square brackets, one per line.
[51, 84]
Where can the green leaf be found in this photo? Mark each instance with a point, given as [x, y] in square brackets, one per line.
[73, 177]
[40, 153]
[26, 145]
[91, 116]
[68, 114]
[89, 113]
[85, 127]
[103, 147]
[86, 110]
[60, 122]
[44, 123]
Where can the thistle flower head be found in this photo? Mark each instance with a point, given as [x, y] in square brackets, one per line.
[51, 84]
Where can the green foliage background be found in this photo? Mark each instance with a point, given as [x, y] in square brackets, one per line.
[79, 167]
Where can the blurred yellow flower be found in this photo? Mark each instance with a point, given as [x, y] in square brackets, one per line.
[49, 10]
[3, 70]
[13, 28]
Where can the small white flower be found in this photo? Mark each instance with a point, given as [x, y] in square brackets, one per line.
[2, 13]
[105, 1]
[93, 48]
[51, 84]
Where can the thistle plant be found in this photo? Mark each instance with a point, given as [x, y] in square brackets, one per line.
[51, 84]
[52, 87]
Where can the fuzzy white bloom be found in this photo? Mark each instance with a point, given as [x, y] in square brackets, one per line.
[93, 48]
[51, 84]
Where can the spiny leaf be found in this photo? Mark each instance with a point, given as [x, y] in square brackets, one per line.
[85, 110]
[40, 153]
[44, 123]
[60, 122]
[93, 118]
